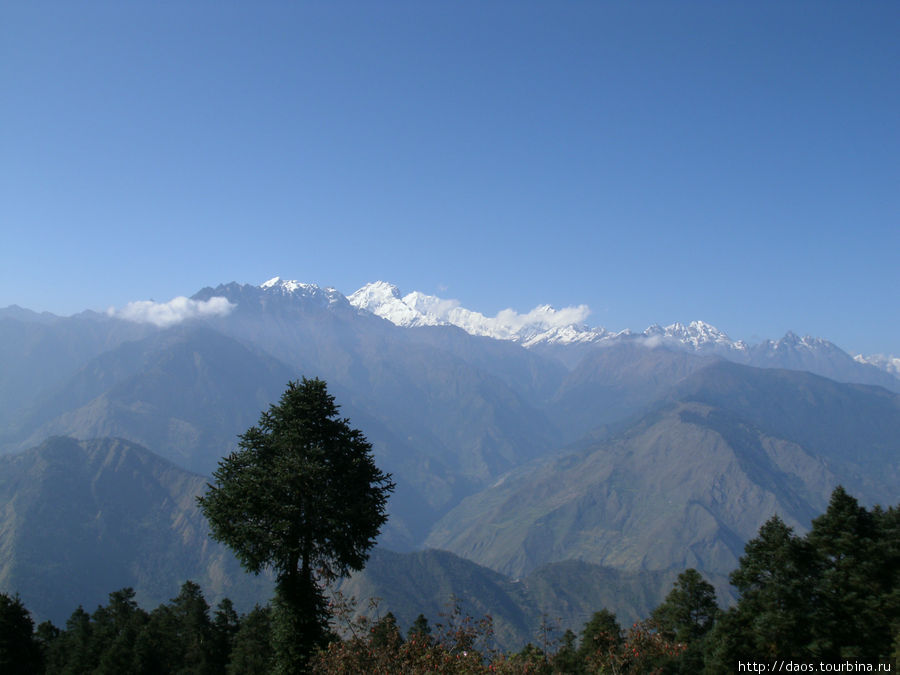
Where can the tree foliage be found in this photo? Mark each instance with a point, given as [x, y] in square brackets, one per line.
[686, 616]
[831, 596]
[19, 648]
[303, 496]
[600, 636]
[856, 570]
[251, 652]
[689, 610]
[419, 630]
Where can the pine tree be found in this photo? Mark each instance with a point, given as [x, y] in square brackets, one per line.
[689, 610]
[775, 580]
[47, 636]
[385, 633]
[226, 623]
[601, 636]
[74, 650]
[851, 619]
[888, 523]
[419, 630]
[19, 650]
[115, 631]
[158, 648]
[251, 653]
[566, 658]
[686, 616]
[303, 496]
[194, 629]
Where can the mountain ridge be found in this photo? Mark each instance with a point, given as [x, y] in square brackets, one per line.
[546, 329]
[546, 326]
[690, 480]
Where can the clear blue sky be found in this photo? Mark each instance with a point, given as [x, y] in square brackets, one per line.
[659, 161]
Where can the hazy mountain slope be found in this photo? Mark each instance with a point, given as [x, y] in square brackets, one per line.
[854, 428]
[189, 391]
[617, 381]
[426, 488]
[561, 595]
[18, 313]
[443, 427]
[670, 493]
[81, 519]
[39, 352]
[691, 482]
[535, 377]
[186, 392]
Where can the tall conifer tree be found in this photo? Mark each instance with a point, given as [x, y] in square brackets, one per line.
[303, 496]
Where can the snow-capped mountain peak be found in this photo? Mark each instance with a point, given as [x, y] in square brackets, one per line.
[295, 288]
[384, 300]
[696, 334]
[285, 286]
[792, 341]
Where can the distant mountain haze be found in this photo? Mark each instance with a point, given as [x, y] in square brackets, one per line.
[516, 441]
[689, 482]
[84, 518]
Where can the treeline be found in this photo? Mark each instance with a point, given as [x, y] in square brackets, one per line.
[831, 596]
[181, 636]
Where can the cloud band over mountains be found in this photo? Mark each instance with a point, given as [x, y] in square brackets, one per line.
[176, 310]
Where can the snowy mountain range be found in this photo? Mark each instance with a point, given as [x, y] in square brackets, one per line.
[561, 333]
[545, 325]
[542, 324]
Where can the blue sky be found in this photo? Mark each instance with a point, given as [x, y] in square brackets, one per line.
[732, 162]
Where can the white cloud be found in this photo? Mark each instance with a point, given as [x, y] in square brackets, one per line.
[545, 317]
[508, 324]
[651, 342]
[176, 310]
